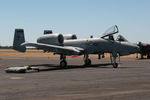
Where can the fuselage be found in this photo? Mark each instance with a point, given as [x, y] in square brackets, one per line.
[100, 45]
[91, 45]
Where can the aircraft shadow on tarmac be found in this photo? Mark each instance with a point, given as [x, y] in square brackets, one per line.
[142, 58]
[52, 67]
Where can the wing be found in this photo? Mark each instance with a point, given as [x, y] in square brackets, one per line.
[67, 50]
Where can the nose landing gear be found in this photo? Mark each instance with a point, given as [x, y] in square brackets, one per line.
[115, 65]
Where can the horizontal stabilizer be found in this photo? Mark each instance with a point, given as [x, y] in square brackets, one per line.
[67, 50]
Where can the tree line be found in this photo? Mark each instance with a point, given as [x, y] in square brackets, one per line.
[5, 47]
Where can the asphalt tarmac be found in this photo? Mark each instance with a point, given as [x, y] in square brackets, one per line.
[100, 81]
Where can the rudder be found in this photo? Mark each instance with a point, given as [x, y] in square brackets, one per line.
[18, 40]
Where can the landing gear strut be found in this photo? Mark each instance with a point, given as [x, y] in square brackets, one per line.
[63, 62]
[115, 65]
[87, 61]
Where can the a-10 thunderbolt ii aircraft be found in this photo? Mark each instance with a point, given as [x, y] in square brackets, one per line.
[68, 45]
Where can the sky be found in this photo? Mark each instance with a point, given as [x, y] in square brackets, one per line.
[81, 17]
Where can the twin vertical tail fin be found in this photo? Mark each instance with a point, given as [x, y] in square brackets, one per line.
[18, 40]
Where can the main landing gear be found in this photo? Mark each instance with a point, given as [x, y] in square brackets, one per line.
[87, 61]
[63, 62]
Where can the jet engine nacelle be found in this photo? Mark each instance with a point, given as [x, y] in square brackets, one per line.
[69, 36]
[53, 39]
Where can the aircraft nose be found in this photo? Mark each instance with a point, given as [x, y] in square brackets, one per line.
[137, 48]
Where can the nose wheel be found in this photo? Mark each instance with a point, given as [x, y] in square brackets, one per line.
[115, 65]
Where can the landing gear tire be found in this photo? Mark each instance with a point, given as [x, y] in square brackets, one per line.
[87, 62]
[63, 64]
[115, 65]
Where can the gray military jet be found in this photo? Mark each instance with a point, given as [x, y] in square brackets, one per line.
[68, 45]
